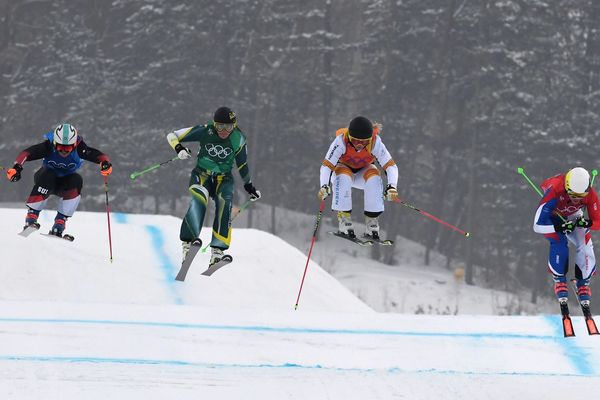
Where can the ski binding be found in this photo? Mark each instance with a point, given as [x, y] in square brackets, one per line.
[219, 264]
[360, 242]
[66, 236]
[195, 247]
[29, 229]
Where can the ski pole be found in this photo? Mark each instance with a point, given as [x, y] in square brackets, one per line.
[533, 185]
[237, 212]
[522, 172]
[314, 237]
[155, 166]
[594, 173]
[436, 219]
[108, 217]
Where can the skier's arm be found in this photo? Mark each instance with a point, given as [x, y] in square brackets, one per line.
[542, 222]
[90, 153]
[336, 150]
[35, 152]
[241, 160]
[593, 209]
[384, 158]
[191, 134]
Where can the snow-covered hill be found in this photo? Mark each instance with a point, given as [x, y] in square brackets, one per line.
[73, 326]
[146, 258]
[410, 287]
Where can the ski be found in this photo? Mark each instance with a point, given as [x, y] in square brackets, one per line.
[219, 264]
[587, 312]
[383, 242]
[195, 246]
[67, 237]
[568, 330]
[29, 229]
[360, 242]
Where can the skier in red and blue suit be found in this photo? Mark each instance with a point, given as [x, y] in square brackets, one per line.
[560, 218]
[62, 153]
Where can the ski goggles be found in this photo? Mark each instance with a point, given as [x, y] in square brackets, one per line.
[65, 148]
[224, 126]
[574, 195]
[359, 142]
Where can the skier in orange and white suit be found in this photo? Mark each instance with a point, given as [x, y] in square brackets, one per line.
[350, 163]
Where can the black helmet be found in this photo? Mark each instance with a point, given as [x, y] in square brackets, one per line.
[360, 128]
[225, 116]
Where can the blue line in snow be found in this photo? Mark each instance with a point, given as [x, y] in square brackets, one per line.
[168, 269]
[143, 361]
[267, 329]
[576, 355]
[120, 218]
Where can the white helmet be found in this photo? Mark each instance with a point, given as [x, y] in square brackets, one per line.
[577, 182]
[65, 134]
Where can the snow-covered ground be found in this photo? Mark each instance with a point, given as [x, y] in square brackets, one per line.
[409, 287]
[75, 326]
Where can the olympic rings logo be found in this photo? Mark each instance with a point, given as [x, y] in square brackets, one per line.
[218, 150]
[569, 209]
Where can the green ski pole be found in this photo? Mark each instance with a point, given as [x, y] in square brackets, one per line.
[134, 175]
[520, 171]
[594, 173]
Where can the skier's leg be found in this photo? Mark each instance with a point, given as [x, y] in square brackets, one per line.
[192, 222]
[69, 191]
[373, 198]
[585, 262]
[221, 234]
[44, 185]
[558, 263]
[342, 198]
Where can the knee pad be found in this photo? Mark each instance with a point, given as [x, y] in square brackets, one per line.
[199, 192]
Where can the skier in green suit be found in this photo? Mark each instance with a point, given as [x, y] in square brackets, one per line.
[222, 144]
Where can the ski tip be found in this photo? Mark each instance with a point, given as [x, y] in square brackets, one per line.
[467, 234]
[520, 170]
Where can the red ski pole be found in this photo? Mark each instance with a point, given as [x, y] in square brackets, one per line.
[314, 237]
[436, 219]
[108, 217]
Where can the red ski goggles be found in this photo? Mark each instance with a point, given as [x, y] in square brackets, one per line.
[65, 148]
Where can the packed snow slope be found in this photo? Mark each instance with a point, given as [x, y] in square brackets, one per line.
[73, 325]
[147, 255]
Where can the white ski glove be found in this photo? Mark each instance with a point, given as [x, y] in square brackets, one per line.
[182, 152]
[324, 192]
[390, 193]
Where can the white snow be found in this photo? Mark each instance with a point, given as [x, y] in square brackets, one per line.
[75, 326]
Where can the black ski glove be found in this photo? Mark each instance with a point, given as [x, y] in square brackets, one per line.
[583, 223]
[564, 227]
[251, 190]
[182, 152]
